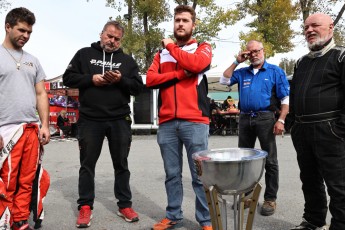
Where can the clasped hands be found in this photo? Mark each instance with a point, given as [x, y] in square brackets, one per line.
[109, 77]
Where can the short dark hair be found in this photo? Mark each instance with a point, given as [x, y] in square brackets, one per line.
[20, 14]
[116, 24]
[185, 8]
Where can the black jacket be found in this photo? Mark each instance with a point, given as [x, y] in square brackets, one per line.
[61, 122]
[103, 103]
[318, 86]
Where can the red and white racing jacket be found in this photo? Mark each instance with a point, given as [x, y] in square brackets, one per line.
[180, 96]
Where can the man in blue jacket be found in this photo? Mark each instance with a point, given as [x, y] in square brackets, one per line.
[261, 86]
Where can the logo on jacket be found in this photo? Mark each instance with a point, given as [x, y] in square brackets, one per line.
[105, 63]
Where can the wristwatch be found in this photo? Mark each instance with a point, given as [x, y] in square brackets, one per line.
[281, 121]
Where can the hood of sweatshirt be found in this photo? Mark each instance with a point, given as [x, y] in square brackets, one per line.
[97, 46]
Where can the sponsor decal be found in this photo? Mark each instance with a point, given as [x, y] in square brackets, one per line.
[30, 64]
[57, 85]
[5, 220]
[7, 149]
[105, 64]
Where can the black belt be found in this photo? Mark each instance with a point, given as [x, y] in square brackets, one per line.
[318, 117]
[255, 114]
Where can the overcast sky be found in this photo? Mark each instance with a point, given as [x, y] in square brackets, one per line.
[64, 26]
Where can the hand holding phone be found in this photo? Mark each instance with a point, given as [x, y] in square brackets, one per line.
[112, 76]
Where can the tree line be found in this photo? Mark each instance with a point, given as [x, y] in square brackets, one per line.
[270, 22]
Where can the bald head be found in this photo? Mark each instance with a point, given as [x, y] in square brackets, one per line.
[318, 29]
[325, 18]
[255, 42]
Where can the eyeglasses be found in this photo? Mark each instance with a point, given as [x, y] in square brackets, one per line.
[255, 52]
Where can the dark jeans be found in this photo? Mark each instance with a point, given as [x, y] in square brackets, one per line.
[321, 159]
[91, 138]
[261, 127]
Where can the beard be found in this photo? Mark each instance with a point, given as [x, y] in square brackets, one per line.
[257, 62]
[109, 48]
[16, 44]
[318, 44]
[183, 38]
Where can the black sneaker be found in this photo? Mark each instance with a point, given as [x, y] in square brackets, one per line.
[305, 225]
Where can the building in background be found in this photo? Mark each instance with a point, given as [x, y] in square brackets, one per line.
[144, 107]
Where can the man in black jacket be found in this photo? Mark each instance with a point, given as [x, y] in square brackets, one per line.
[63, 123]
[317, 103]
[105, 77]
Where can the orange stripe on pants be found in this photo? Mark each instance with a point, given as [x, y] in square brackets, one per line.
[18, 173]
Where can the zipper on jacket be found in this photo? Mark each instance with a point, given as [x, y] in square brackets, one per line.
[313, 65]
[175, 96]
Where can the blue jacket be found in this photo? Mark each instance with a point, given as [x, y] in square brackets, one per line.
[260, 92]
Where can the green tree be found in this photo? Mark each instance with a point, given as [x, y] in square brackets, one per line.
[211, 18]
[142, 36]
[287, 65]
[270, 24]
[144, 33]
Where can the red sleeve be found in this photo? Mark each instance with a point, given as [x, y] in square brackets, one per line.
[155, 78]
[194, 62]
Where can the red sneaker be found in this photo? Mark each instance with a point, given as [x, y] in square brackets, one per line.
[128, 214]
[85, 216]
[21, 225]
[167, 224]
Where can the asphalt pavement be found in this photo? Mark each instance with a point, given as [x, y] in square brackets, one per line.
[147, 183]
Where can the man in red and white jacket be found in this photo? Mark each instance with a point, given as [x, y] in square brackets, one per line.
[179, 72]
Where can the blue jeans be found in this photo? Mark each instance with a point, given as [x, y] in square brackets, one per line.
[261, 126]
[171, 137]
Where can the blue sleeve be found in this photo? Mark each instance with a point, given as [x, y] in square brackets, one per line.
[234, 78]
[282, 84]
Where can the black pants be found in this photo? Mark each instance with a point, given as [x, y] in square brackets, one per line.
[261, 126]
[66, 130]
[91, 138]
[321, 159]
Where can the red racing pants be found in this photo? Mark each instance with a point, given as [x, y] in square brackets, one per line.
[18, 173]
